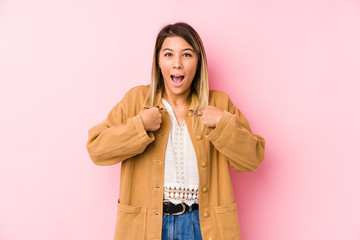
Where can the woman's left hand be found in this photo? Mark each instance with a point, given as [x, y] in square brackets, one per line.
[210, 115]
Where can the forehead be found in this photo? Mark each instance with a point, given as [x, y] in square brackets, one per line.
[175, 43]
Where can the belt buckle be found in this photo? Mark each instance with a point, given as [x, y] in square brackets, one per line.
[183, 210]
[178, 213]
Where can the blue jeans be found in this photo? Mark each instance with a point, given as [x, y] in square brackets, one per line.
[181, 227]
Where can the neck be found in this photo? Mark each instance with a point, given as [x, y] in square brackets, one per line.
[176, 100]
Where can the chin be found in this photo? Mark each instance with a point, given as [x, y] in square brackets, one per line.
[177, 91]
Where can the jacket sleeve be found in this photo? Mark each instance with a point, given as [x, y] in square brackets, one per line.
[117, 137]
[233, 137]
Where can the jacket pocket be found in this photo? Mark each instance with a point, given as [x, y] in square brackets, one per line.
[130, 222]
[228, 222]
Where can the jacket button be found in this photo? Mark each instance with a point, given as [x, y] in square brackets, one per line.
[204, 189]
[205, 214]
[203, 164]
[198, 137]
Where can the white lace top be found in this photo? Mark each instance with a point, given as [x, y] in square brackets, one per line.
[181, 181]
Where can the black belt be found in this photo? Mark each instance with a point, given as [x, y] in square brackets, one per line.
[177, 209]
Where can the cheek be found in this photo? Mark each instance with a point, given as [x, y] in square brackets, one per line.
[164, 72]
[164, 66]
[193, 67]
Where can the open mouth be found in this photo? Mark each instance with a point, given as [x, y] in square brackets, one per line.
[177, 79]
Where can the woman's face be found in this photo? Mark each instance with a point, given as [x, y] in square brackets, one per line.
[178, 64]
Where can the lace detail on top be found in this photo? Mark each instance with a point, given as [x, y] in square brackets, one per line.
[178, 194]
[181, 177]
[178, 151]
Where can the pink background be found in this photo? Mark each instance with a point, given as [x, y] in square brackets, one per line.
[292, 67]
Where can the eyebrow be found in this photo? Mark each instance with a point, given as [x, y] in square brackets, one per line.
[182, 50]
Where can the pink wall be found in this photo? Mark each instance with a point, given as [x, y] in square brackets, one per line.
[292, 67]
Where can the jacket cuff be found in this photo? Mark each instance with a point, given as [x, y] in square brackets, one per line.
[213, 133]
[146, 137]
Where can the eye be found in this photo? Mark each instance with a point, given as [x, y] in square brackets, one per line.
[187, 55]
[168, 54]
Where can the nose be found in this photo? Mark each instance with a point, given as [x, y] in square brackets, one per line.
[177, 62]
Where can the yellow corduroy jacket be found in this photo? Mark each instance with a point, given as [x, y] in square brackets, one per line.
[121, 137]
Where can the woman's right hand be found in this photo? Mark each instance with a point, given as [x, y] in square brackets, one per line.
[151, 118]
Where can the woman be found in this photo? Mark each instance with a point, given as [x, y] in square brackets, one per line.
[175, 139]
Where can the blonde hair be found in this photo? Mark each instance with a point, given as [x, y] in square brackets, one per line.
[200, 84]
